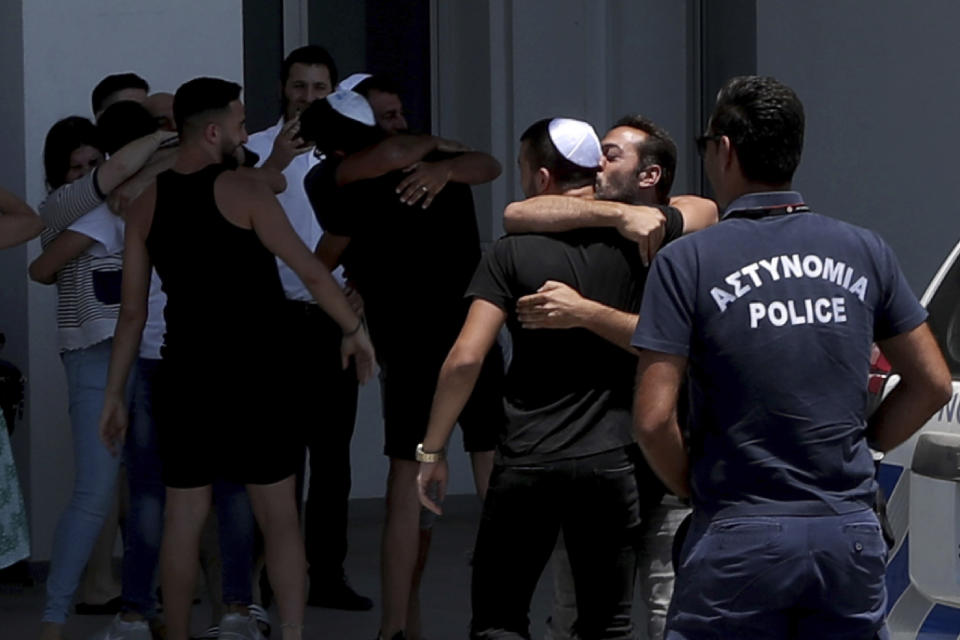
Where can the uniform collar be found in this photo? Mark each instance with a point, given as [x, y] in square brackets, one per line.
[754, 204]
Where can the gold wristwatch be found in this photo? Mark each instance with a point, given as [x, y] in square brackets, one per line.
[429, 456]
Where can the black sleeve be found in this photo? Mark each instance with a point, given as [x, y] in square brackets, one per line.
[495, 274]
[674, 226]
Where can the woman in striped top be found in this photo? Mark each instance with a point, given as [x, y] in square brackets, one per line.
[83, 241]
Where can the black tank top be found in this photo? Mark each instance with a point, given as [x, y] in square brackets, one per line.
[224, 296]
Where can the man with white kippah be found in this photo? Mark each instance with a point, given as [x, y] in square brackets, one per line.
[402, 257]
[309, 73]
[632, 194]
[566, 460]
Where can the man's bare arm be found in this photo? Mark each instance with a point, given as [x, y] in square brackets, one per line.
[130, 320]
[130, 190]
[698, 213]
[458, 376]
[559, 306]
[924, 387]
[427, 179]
[18, 222]
[392, 154]
[655, 418]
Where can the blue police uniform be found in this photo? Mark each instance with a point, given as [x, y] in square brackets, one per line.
[776, 308]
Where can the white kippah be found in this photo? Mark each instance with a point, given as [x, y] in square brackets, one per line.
[576, 141]
[350, 82]
[352, 105]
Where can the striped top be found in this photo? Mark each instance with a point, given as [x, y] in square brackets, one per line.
[88, 287]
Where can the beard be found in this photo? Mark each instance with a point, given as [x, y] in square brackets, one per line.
[617, 188]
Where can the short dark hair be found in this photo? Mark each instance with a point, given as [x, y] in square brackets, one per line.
[202, 95]
[331, 131]
[543, 153]
[122, 123]
[310, 54]
[658, 148]
[764, 120]
[65, 137]
[114, 83]
[376, 83]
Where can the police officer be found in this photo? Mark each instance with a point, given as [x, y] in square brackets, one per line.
[775, 309]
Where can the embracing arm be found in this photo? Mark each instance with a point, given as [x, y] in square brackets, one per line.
[924, 387]
[121, 197]
[18, 222]
[70, 201]
[392, 154]
[427, 179]
[659, 376]
[457, 378]
[698, 213]
[64, 248]
[556, 305]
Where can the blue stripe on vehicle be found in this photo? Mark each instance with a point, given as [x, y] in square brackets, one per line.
[942, 622]
[898, 573]
[888, 477]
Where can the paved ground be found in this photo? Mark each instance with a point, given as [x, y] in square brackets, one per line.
[445, 592]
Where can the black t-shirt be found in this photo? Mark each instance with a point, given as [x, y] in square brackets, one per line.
[568, 392]
[411, 265]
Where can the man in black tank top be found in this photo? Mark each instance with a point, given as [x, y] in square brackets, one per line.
[212, 234]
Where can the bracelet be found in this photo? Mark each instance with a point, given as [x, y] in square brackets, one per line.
[347, 334]
[429, 456]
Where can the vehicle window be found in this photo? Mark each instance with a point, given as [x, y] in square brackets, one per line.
[944, 309]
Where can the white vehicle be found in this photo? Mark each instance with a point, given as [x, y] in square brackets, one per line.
[921, 481]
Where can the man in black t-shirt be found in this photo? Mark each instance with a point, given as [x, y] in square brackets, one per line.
[402, 257]
[563, 462]
[633, 194]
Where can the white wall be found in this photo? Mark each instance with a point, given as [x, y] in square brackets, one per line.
[67, 48]
[879, 84]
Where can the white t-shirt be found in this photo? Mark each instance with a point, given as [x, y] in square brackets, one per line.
[107, 229]
[296, 205]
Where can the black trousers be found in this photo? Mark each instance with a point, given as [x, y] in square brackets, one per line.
[327, 414]
[594, 501]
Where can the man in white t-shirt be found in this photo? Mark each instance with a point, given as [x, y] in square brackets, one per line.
[309, 73]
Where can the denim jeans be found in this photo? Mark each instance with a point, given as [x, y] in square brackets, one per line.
[144, 526]
[593, 500]
[781, 577]
[95, 475]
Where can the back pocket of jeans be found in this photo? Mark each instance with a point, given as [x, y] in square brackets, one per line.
[106, 286]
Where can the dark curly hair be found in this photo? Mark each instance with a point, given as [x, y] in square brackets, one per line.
[764, 120]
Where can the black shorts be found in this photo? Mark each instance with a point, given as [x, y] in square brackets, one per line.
[407, 386]
[225, 420]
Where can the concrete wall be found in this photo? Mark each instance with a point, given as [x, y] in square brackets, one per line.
[503, 64]
[66, 48]
[878, 81]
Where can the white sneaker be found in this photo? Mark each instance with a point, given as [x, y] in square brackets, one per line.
[121, 629]
[236, 626]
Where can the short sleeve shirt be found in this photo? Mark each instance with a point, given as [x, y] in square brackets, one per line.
[568, 392]
[776, 312]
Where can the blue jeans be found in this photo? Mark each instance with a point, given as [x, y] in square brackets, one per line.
[781, 577]
[95, 475]
[144, 527]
